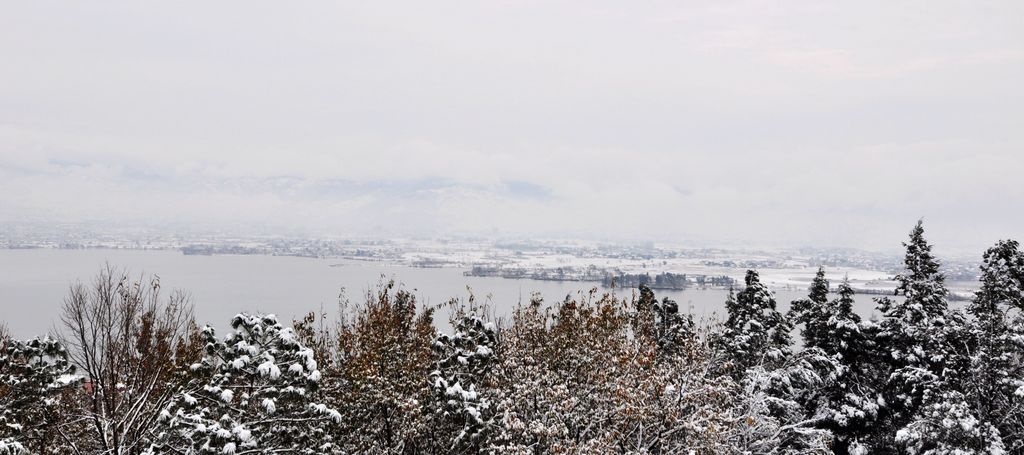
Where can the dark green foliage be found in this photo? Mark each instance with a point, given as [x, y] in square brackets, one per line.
[34, 375]
[847, 403]
[673, 329]
[462, 413]
[912, 331]
[755, 330]
[813, 312]
[989, 381]
[251, 391]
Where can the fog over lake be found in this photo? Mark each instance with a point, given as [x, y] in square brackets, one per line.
[33, 284]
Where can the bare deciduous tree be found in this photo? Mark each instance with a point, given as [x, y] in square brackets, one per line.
[131, 345]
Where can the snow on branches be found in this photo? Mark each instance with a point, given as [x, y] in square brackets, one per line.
[252, 391]
[462, 361]
[33, 376]
[593, 373]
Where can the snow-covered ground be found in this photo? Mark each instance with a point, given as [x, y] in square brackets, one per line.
[780, 269]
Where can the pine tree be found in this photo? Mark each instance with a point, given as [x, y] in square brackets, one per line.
[916, 335]
[978, 410]
[923, 284]
[33, 376]
[674, 330]
[250, 393]
[644, 324]
[755, 332]
[462, 362]
[660, 323]
[756, 340]
[848, 403]
[996, 383]
[947, 424]
[774, 417]
[813, 312]
[843, 334]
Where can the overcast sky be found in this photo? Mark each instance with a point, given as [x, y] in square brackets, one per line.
[715, 122]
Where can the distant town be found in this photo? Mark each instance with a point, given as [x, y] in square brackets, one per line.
[659, 266]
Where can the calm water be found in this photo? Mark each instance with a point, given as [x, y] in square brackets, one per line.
[33, 284]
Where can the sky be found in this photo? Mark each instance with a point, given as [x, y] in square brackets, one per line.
[705, 123]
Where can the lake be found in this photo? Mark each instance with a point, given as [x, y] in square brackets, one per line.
[33, 284]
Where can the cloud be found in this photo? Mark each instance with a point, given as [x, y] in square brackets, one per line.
[706, 122]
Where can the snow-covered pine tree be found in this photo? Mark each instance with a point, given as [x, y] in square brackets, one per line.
[994, 386]
[674, 330]
[755, 331]
[842, 333]
[947, 425]
[461, 410]
[643, 322]
[660, 324]
[916, 334]
[847, 405]
[33, 376]
[756, 341]
[978, 408]
[251, 393]
[853, 399]
[771, 414]
[813, 312]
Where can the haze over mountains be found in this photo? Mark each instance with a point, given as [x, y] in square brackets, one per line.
[701, 122]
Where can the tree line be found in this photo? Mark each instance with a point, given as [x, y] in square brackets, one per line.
[132, 373]
[666, 281]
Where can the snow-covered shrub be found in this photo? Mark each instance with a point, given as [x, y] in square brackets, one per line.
[380, 381]
[582, 377]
